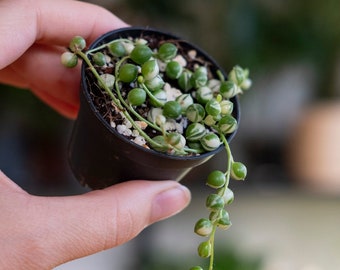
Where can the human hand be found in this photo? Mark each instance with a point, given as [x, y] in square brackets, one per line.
[43, 232]
[33, 36]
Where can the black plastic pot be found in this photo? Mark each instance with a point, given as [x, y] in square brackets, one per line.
[100, 157]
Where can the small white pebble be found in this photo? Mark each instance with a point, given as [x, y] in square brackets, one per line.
[192, 54]
[143, 125]
[171, 93]
[180, 59]
[139, 140]
[107, 58]
[128, 132]
[161, 65]
[184, 122]
[170, 124]
[179, 128]
[167, 87]
[141, 41]
[135, 133]
[122, 129]
[127, 123]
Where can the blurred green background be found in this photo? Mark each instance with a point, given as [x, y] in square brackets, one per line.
[288, 137]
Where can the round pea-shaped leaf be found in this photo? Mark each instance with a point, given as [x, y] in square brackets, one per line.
[99, 59]
[136, 96]
[69, 59]
[140, 54]
[200, 77]
[213, 216]
[128, 73]
[167, 51]
[184, 80]
[172, 109]
[117, 49]
[185, 100]
[229, 89]
[210, 141]
[209, 120]
[237, 75]
[77, 43]
[203, 227]
[204, 249]
[227, 124]
[150, 69]
[160, 144]
[214, 202]
[195, 112]
[160, 98]
[204, 94]
[223, 221]
[195, 132]
[197, 146]
[155, 83]
[173, 70]
[216, 179]
[213, 107]
[176, 140]
[239, 171]
[228, 196]
[226, 107]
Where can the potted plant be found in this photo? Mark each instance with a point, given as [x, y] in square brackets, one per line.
[154, 106]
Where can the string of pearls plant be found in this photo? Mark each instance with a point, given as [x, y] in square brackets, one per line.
[190, 118]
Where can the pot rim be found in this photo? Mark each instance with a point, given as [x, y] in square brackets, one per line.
[140, 30]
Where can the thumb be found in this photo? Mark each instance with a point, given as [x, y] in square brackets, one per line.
[60, 229]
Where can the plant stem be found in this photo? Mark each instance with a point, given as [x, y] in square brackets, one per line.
[141, 118]
[107, 44]
[230, 160]
[212, 242]
[190, 150]
[95, 73]
[151, 96]
[221, 193]
[115, 100]
[220, 75]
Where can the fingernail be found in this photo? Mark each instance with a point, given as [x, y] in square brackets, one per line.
[170, 202]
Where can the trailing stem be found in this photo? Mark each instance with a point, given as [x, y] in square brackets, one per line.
[174, 92]
[115, 100]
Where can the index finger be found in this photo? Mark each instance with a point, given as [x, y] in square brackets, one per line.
[25, 22]
[59, 21]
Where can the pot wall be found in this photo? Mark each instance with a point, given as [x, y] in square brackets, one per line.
[99, 156]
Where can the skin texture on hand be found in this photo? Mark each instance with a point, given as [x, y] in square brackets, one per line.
[44, 232]
[34, 33]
